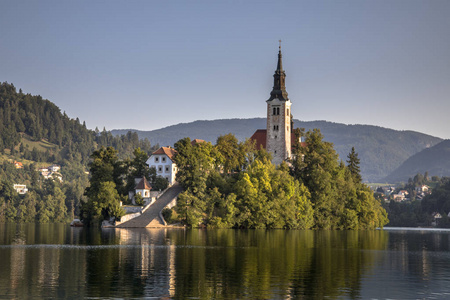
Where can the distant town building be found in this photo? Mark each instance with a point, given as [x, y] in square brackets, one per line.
[52, 172]
[54, 168]
[162, 160]
[422, 189]
[18, 164]
[436, 216]
[399, 197]
[197, 141]
[21, 188]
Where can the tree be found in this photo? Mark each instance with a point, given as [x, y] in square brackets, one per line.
[353, 165]
[230, 156]
[102, 169]
[340, 200]
[194, 163]
[158, 183]
[317, 165]
[104, 205]
[267, 197]
[139, 164]
[103, 198]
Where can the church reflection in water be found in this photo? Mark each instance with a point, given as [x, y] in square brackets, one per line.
[153, 261]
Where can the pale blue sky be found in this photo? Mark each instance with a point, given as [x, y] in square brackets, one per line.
[150, 64]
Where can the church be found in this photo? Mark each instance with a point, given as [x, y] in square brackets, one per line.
[278, 137]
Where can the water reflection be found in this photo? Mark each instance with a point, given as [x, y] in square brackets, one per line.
[61, 262]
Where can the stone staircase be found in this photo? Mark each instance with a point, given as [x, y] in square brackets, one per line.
[152, 216]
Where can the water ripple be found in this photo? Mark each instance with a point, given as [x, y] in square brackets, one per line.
[95, 247]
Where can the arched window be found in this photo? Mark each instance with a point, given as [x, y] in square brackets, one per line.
[276, 111]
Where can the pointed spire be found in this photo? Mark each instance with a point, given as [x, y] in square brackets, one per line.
[279, 88]
[280, 62]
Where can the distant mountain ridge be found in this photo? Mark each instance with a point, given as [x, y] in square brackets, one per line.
[434, 160]
[381, 150]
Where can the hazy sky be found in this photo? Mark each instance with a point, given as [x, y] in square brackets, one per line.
[150, 64]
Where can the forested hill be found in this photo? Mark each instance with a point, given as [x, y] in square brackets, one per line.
[381, 150]
[27, 117]
[34, 132]
[434, 160]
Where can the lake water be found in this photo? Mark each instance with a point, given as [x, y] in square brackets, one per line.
[57, 261]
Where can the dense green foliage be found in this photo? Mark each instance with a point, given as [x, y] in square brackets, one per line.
[42, 120]
[111, 180]
[381, 150]
[103, 197]
[33, 130]
[340, 199]
[47, 201]
[233, 185]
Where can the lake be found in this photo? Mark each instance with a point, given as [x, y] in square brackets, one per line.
[57, 261]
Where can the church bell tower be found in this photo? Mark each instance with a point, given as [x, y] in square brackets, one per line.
[278, 138]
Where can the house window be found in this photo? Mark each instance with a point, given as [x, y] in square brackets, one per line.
[156, 159]
[288, 128]
[163, 159]
[159, 169]
[146, 194]
[167, 169]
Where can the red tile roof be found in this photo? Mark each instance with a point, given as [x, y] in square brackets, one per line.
[170, 152]
[143, 184]
[260, 136]
[197, 141]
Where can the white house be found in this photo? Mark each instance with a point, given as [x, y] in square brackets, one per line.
[21, 188]
[54, 168]
[162, 161]
[53, 175]
[422, 189]
[52, 172]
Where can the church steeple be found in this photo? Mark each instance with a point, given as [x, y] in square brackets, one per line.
[279, 88]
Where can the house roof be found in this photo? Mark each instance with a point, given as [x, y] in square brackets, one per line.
[260, 136]
[197, 141]
[170, 152]
[143, 184]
